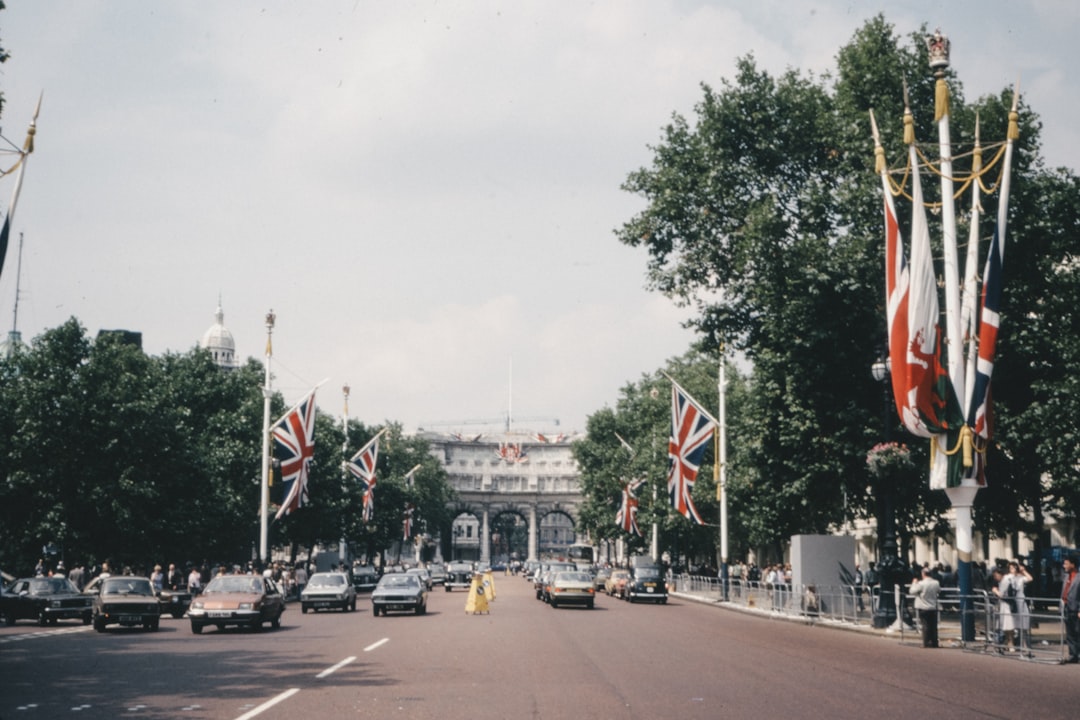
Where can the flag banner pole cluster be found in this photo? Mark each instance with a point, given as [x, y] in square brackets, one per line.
[20, 167]
[691, 430]
[626, 517]
[294, 446]
[362, 467]
[941, 377]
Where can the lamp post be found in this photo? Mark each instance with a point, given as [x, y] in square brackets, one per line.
[264, 492]
[890, 569]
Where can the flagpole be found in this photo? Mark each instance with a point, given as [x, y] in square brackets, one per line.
[342, 554]
[264, 502]
[720, 473]
[24, 154]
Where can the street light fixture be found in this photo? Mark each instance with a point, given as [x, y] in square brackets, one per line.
[890, 569]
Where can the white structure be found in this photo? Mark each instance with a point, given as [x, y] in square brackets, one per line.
[510, 480]
[220, 343]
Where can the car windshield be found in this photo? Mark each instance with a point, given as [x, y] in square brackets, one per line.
[127, 586]
[399, 581]
[648, 573]
[235, 584]
[51, 586]
[327, 581]
[573, 577]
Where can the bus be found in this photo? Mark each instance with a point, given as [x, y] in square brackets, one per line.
[581, 555]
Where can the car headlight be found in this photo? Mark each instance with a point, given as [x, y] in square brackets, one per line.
[246, 606]
[197, 604]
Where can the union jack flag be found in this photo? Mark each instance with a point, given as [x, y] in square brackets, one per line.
[691, 430]
[409, 507]
[294, 445]
[626, 518]
[362, 467]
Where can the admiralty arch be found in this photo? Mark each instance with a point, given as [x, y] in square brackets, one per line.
[518, 494]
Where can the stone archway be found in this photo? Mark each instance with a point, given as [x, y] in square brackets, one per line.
[461, 539]
[509, 536]
[556, 532]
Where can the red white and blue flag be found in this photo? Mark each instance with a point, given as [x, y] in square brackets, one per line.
[362, 467]
[294, 447]
[409, 508]
[626, 517]
[691, 430]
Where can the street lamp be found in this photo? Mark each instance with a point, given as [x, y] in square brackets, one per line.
[890, 569]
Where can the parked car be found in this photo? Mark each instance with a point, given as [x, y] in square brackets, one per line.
[601, 576]
[399, 592]
[423, 574]
[572, 588]
[458, 575]
[328, 590]
[365, 578]
[46, 600]
[243, 600]
[615, 585]
[646, 582]
[128, 601]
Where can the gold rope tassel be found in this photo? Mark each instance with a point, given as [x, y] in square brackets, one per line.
[965, 440]
[941, 99]
[909, 128]
[1014, 125]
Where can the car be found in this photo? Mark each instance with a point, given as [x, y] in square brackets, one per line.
[646, 582]
[399, 592]
[601, 576]
[128, 601]
[365, 578]
[543, 587]
[531, 566]
[423, 574]
[458, 575]
[328, 590]
[572, 588]
[173, 602]
[615, 585]
[46, 600]
[438, 573]
[241, 600]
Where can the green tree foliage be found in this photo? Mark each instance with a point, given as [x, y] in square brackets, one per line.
[111, 454]
[642, 418]
[764, 214]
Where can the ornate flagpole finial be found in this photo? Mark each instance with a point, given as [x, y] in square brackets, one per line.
[938, 47]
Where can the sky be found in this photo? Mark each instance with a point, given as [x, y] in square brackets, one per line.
[425, 193]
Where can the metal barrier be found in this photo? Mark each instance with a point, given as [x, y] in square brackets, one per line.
[1039, 634]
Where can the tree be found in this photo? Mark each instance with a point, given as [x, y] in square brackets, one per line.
[764, 214]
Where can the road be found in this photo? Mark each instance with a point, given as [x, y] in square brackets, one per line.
[522, 660]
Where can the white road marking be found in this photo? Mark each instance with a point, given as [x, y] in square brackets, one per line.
[330, 671]
[269, 704]
[371, 647]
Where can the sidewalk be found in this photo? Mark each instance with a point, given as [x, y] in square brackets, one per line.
[1046, 645]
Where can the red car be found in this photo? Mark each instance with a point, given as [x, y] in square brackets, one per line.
[243, 600]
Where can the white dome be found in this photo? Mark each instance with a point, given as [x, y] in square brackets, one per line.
[219, 341]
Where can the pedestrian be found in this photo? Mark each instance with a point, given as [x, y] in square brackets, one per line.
[1015, 618]
[301, 577]
[174, 578]
[858, 581]
[157, 579]
[925, 592]
[1070, 605]
[194, 581]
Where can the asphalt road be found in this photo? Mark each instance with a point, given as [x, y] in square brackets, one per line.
[522, 660]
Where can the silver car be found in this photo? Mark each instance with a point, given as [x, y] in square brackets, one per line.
[328, 591]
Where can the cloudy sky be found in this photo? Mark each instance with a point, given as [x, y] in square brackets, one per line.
[425, 193]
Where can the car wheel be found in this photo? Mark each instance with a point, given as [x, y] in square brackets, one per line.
[276, 622]
[9, 619]
[86, 619]
[590, 605]
[421, 609]
[155, 625]
[99, 624]
[352, 605]
[554, 604]
[177, 614]
[303, 609]
[196, 628]
[42, 620]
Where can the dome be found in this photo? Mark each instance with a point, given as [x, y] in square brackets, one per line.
[219, 342]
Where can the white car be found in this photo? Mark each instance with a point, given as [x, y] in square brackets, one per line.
[328, 591]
